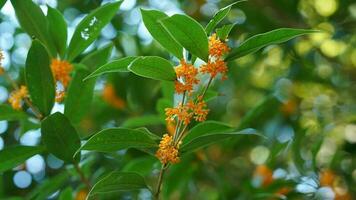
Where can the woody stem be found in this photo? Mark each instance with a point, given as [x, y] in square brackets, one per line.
[26, 100]
[82, 176]
[160, 181]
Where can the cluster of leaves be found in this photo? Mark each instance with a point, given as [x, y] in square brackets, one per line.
[59, 135]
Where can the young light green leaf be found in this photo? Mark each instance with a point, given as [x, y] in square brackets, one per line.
[189, 33]
[224, 31]
[205, 128]
[11, 157]
[79, 96]
[219, 16]
[117, 182]
[114, 139]
[89, 28]
[34, 22]
[119, 65]
[153, 67]
[39, 78]
[60, 137]
[159, 33]
[206, 140]
[98, 57]
[57, 29]
[259, 41]
[8, 113]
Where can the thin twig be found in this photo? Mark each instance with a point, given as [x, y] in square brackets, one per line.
[160, 181]
[82, 176]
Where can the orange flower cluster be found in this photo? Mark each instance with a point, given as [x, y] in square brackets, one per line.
[61, 70]
[186, 77]
[185, 113]
[2, 70]
[216, 64]
[167, 152]
[111, 98]
[265, 173]
[17, 96]
[328, 178]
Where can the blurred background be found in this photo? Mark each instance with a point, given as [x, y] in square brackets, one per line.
[301, 95]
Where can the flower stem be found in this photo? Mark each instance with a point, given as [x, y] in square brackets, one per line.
[160, 181]
[82, 176]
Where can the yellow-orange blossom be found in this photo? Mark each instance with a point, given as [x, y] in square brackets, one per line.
[185, 111]
[61, 70]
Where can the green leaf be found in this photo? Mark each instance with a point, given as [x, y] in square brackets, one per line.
[89, 28]
[60, 137]
[219, 16]
[114, 139]
[57, 29]
[2, 3]
[205, 128]
[151, 20]
[39, 78]
[119, 65]
[117, 182]
[145, 120]
[224, 31]
[142, 165]
[259, 41]
[79, 96]
[8, 113]
[208, 139]
[33, 21]
[189, 33]
[98, 57]
[66, 194]
[49, 186]
[11, 157]
[153, 67]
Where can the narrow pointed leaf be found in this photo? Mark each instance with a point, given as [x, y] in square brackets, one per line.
[153, 67]
[224, 31]
[189, 33]
[89, 28]
[114, 139]
[34, 22]
[57, 29]
[11, 157]
[39, 78]
[206, 140]
[117, 182]
[60, 137]
[97, 58]
[79, 96]
[151, 20]
[219, 16]
[119, 65]
[259, 41]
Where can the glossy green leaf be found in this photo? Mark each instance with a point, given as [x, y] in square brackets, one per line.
[2, 3]
[89, 28]
[39, 78]
[208, 139]
[79, 96]
[60, 137]
[205, 128]
[98, 57]
[219, 16]
[57, 29]
[34, 22]
[114, 139]
[117, 182]
[11, 157]
[140, 121]
[189, 33]
[119, 65]
[49, 186]
[224, 31]
[153, 67]
[259, 41]
[151, 19]
[66, 194]
[8, 113]
[142, 165]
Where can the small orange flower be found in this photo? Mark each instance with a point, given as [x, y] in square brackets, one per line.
[182, 113]
[186, 77]
[111, 98]
[217, 48]
[61, 70]
[167, 152]
[17, 96]
[214, 68]
[200, 111]
[81, 195]
[265, 173]
[2, 70]
[327, 178]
